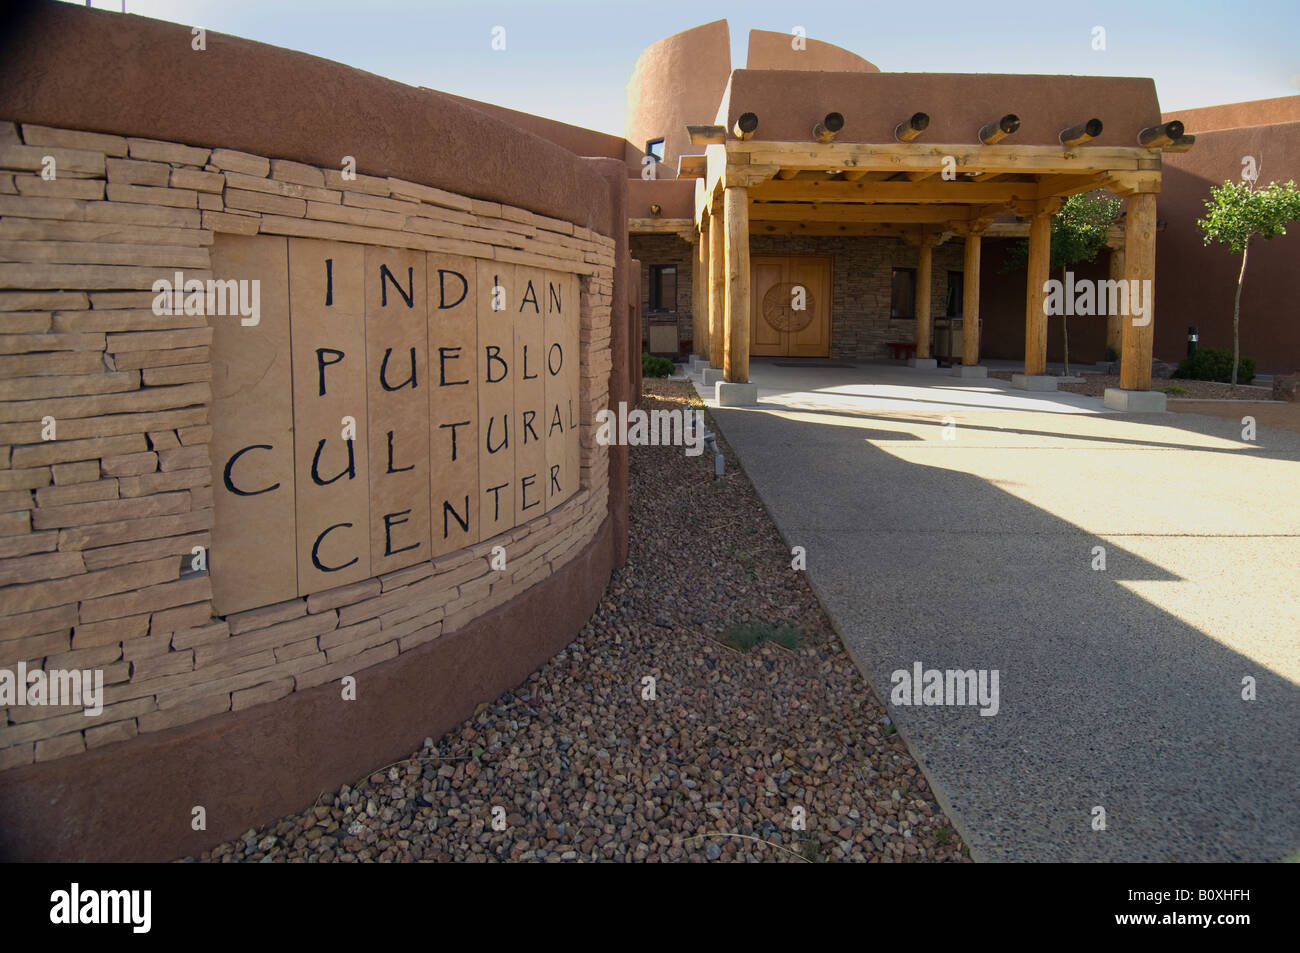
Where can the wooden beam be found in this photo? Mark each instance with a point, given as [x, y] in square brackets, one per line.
[924, 275]
[909, 193]
[1137, 332]
[877, 229]
[924, 157]
[660, 226]
[1181, 144]
[735, 368]
[706, 135]
[849, 212]
[1050, 185]
[692, 167]
[717, 289]
[1040, 258]
[787, 174]
[970, 302]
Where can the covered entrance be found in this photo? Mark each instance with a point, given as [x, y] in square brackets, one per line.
[790, 307]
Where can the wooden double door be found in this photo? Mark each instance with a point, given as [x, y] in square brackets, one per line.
[790, 306]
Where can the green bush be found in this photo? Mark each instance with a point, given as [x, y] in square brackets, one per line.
[652, 366]
[1215, 364]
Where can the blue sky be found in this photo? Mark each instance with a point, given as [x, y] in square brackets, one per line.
[570, 59]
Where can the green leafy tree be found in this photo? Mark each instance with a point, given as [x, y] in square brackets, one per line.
[1237, 214]
[1079, 232]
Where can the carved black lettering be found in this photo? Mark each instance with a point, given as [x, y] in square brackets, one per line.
[385, 276]
[391, 468]
[459, 423]
[494, 354]
[530, 293]
[389, 523]
[555, 482]
[505, 434]
[527, 376]
[443, 358]
[230, 466]
[524, 484]
[442, 288]
[529, 415]
[555, 297]
[447, 508]
[555, 422]
[329, 282]
[383, 373]
[552, 364]
[315, 550]
[496, 500]
[350, 469]
[321, 363]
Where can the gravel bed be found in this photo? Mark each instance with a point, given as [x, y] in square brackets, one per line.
[1094, 385]
[584, 768]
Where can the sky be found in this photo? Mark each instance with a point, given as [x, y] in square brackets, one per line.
[570, 59]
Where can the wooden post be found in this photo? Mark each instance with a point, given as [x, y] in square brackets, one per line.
[717, 289]
[1140, 272]
[924, 260]
[1114, 320]
[700, 297]
[735, 367]
[970, 302]
[1040, 260]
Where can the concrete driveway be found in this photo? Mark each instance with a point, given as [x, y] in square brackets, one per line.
[1120, 688]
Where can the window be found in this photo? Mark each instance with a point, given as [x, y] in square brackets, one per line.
[956, 293]
[902, 299]
[655, 147]
[663, 287]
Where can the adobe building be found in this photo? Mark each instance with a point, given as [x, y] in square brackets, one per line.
[272, 520]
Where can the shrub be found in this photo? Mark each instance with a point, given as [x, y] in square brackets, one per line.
[652, 366]
[1215, 364]
[746, 635]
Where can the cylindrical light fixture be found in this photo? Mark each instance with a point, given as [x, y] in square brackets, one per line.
[745, 126]
[825, 130]
[999, 129]
[909, 129]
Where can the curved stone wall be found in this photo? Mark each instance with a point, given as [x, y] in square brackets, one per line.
[355, 442]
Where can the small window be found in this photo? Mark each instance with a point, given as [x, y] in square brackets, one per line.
[902, 299]
[956, 293]
[663, 287]
[655, 147]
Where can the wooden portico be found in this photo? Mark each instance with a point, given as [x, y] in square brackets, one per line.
[923, 193]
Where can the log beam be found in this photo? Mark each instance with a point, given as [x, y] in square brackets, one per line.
[1137, 332]
[1078, 135]
[735, 367]
[991, 133]
[1040, 258]
[970, 302]
[910, 128]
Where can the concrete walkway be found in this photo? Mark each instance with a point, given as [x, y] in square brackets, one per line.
[1118, 688]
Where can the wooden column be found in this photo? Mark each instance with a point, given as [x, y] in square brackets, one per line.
[970, 302]
[735, 368]
[700, 297]
[924, 261]
[1140, 271]
[1040, 260]
[1113, 321]
[717, 290]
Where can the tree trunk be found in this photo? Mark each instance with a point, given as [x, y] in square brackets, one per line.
[1236, 313]
[1065, 329]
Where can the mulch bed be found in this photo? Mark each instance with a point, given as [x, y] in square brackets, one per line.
[585, 768]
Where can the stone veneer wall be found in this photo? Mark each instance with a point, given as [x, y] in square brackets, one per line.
[666, 250]
[93, 525]
[861, 270]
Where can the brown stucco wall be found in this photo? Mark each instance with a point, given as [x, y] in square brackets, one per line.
[254, 98]
[789, 102]
[1195, 282]
[1256, 112]
[676, 81]
[770, 50]
[579, 141]
[676, 197]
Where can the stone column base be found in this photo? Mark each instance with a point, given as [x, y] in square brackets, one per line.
[970, 370]
[924, 363]
[1135, 401]
[1039, 382]
[729, 394]
[710, 376]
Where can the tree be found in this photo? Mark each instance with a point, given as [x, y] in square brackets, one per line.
[1079, 232]
[1237, 214]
